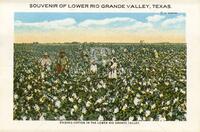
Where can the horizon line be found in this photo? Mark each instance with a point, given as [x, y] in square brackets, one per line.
[76, 42]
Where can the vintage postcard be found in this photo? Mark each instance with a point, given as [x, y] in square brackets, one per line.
[99, 66]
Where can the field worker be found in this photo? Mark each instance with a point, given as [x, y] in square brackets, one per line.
[45, 62]
[62, 62]
[93, 67]
[113, 69]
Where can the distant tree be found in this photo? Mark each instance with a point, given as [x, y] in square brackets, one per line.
[141, 41]
[35, 42]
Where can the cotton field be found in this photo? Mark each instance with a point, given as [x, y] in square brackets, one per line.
[149, 84]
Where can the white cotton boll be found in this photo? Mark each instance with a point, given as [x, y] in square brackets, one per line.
[113, 51]
[105, 103]
[97, 109]
[16, 96]
[88, 103]
[62, 117]
[81, 117]
[99, 101]
[93, 68]
[138, 95]
[147, 113]
[72, 111]
[57, 104]
[144, 83]
[126, 97]
[100, 118]
[125, 50]
[114, 118]
[36, 107]
[168, 103]
[41, 118]
[170, 114]
[90, 97]
[104, 62]
[162, 119]
[84, 110]
[25, 91]
[136, 101]
[176, 89]
[151, 92]
[54, 88]
[42, 74]
[104, 85]
[20, 80]
[29, 87]
[151, 119]
[176, 99]
[131, 118]
[88, 79]
[124, 107]
[105, 109]
[55, 98]
[141, 110]
[167, 83]
[161, 95]
[71, 99]
[63, 97]
[165, 108]
[182, 91]
[139, 118]
[93, 90]
[153, 106]
[24, 118]
[101, 82]
[147, 90]
[29, 97]
[116, 110]
[56, 81]
[98, 86]
[75, 107]
[79, 100]
[128, 89]
[113, 100]
[74, 95]
[179, 108]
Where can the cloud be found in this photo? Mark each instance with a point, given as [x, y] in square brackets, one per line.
[115, 24]
[55, 24]
[137, 26]
[173, 21]
[104, 22]
[155, 18]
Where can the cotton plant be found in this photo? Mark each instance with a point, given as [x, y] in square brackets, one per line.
[142, 90]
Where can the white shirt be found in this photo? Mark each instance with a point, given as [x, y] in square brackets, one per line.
[45, 62]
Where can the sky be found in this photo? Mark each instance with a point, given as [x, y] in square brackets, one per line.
[99, 27]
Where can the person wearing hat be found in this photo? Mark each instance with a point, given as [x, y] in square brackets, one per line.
[45, 62]
[62, 62]
[113, 69]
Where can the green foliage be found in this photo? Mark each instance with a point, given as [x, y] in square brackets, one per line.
[146, 82]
